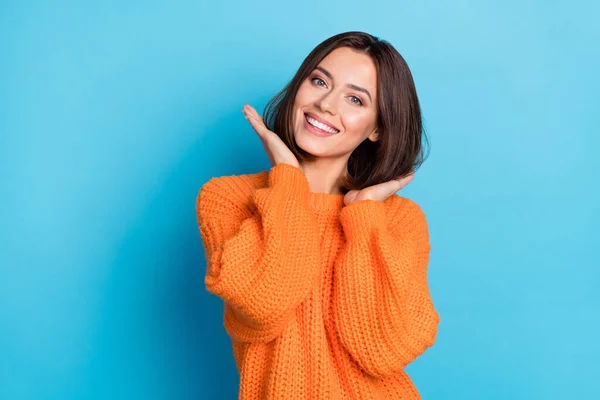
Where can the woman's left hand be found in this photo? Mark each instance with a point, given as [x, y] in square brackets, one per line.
[378, 192]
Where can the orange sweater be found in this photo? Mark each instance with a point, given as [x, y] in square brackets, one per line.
[321, 300]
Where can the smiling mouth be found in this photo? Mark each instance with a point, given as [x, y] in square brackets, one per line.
[320, 126]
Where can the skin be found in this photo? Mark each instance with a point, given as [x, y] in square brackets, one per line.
[353, 113]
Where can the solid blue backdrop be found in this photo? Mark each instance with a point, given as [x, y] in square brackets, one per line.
[114, 114]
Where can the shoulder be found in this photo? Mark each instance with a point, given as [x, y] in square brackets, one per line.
[404, 212]
[230, 191]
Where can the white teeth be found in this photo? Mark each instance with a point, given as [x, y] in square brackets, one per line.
[320, 125]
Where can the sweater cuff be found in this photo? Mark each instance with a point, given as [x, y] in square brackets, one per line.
[362, 216]
[289, 175]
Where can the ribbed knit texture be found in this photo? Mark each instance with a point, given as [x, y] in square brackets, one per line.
[321, 300]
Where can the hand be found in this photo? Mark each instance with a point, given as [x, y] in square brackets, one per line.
[378, 192]
[276, 149]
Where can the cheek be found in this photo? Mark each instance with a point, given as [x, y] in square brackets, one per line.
[299, 99]
[302, 100]
[303, 97]
[356, 123]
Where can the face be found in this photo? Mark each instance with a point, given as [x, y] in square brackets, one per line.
[340, 98]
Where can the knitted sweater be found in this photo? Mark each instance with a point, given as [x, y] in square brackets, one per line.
[321, 300]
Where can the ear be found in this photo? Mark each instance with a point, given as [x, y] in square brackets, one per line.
[374, 136]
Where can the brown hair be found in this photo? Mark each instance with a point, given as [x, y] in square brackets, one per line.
[399, 150]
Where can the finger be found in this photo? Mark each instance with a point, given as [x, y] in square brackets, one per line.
[384, 190]
[251, 112]
[390, 188]
[248, 108]
[350, 196]
[258, 125]
[256, 121]
[402, 182]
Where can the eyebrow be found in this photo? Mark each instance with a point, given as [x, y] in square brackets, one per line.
[350, 85]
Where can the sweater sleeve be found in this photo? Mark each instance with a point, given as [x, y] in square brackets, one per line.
[262, 254]
[383, 312]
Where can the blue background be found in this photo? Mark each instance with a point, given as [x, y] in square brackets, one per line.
[113, 115]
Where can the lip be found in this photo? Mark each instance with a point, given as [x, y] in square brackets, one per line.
[315, 131]
[321, 120]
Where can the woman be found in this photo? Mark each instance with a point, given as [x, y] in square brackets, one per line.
[321, 265]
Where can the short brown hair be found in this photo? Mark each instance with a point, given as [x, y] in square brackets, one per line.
[400, 148]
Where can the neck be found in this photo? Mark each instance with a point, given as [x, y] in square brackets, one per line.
[323, 174]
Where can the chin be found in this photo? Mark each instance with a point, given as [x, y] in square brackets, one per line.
[310, 144]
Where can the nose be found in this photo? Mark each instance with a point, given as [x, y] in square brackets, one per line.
[327, 103]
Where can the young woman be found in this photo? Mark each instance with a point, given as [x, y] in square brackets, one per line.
[321, 265]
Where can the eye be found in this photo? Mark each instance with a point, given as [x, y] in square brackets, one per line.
[358, 102]
[318, 80]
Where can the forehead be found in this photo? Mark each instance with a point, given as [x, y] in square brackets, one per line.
[349, 66]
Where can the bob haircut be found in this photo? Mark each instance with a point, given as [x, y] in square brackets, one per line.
[399, 149]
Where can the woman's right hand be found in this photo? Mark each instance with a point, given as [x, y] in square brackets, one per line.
[276, 149]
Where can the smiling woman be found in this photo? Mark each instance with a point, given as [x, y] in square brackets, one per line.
[327, 104]
[321, 265]
[361, 87]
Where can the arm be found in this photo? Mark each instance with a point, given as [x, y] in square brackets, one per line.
[382, 307]
[261, 260]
